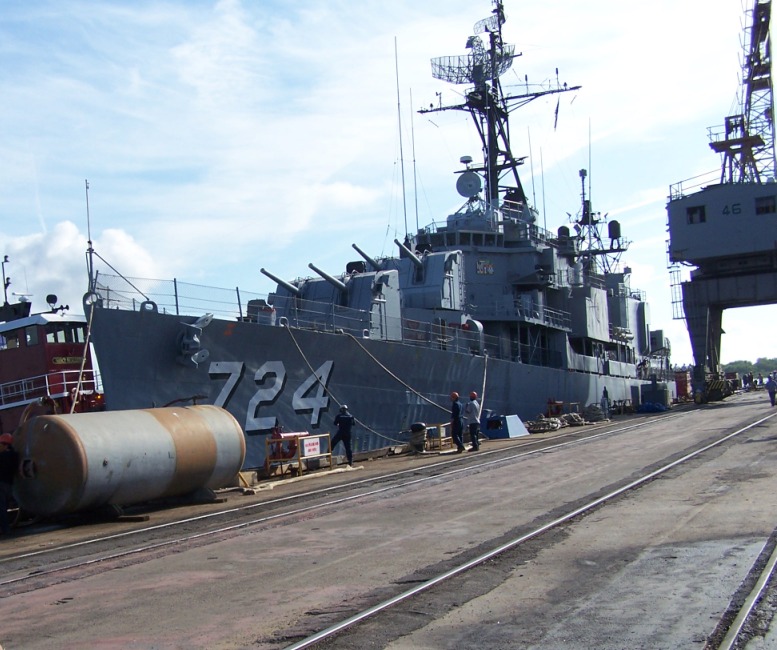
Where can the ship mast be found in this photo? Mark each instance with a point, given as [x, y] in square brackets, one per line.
[90, 248]
[488, 104]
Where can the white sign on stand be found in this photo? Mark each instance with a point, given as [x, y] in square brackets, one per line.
[311, 446]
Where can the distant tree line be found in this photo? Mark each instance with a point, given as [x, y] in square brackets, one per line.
[763, 365]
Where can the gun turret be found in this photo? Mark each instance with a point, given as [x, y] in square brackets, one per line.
[410, 254]
[331, 280]
[286, 285]
[375, 266]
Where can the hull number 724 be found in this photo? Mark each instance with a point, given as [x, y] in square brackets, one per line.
[270, 380]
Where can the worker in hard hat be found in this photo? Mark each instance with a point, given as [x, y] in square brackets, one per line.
[457, 425]
[344, 422]
[472, 418]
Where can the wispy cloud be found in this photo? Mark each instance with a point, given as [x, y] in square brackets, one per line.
[221, 136]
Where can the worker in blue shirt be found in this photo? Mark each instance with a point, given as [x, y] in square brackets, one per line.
[344, 422]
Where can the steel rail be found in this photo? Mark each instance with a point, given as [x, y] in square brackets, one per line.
[462, 568]
[127, 553]
[350, 484]
[731, 640]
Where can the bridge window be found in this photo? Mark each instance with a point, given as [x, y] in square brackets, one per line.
[65, 333]
[765, 205]
[32, 335]
[696, 214]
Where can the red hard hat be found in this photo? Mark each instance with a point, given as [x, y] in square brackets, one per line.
[6, 439]
[454, 395]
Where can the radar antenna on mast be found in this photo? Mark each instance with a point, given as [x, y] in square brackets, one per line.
[490, 108]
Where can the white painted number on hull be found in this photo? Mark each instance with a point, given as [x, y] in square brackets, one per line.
[232, 368]
[318, 401]
[272, 378]
[265, 395]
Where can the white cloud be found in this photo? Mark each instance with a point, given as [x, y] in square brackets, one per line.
[219, 137]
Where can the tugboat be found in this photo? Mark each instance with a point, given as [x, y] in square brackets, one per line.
[486, 300]
[45, 365]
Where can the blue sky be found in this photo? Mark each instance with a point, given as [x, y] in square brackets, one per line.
[222, 137]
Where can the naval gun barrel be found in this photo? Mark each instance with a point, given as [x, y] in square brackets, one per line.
[375, 266]
[286, 285]
[333, 281]
[413, 257]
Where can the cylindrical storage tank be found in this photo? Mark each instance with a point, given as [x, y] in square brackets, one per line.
[614, 230]
[86, 460]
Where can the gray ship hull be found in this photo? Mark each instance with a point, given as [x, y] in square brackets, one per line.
[298, 378]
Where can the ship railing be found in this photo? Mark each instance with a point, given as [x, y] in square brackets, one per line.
[326, 317]
[453, 338]
[54, 384]
[533, 234]
[456, 339]
[462, 235]
[180, 298]
[443, 336]
[173, 296]
[529, 312]
[690, 185]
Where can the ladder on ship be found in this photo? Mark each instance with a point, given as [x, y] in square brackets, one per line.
[676, 288]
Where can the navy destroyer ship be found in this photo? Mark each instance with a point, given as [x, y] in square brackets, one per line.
[484, 301]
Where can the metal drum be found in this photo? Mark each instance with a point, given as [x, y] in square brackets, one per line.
[86, 460]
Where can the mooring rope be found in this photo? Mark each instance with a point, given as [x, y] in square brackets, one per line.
[334, 399]
[483, 386]
[391, 374]
[79, 383]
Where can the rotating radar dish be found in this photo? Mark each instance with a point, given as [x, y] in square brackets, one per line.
[469, 184]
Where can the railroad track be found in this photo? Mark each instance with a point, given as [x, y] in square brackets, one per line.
[36, 570]
[752, 607]
[729, 634]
